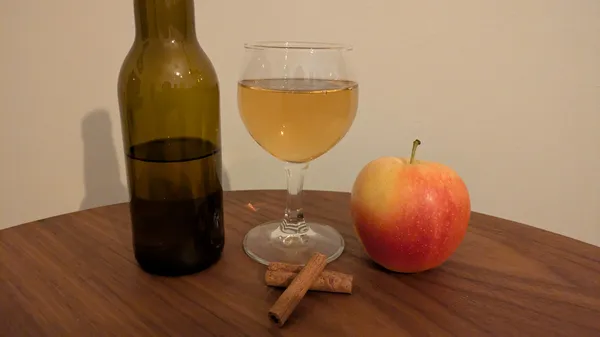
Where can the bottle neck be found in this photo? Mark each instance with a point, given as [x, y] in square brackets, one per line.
[164, 20]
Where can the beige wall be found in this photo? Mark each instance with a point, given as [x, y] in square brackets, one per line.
[506, 92]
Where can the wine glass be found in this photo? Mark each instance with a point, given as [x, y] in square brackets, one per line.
[297, 100]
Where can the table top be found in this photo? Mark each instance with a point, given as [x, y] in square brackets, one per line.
[75, 275]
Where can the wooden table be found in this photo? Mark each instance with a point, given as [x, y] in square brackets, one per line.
[74, 275]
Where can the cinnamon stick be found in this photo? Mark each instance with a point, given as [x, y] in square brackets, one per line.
[282, 274]
[289, 299]
[280, 266]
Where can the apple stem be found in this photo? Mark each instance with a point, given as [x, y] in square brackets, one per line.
[416, 143]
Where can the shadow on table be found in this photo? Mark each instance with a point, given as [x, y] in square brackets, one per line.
[102, 180]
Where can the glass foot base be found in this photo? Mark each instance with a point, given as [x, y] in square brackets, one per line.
[266, 243]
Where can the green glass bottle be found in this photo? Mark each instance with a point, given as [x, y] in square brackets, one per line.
[169, 102]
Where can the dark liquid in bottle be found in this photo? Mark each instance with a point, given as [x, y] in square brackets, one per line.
[176, 205]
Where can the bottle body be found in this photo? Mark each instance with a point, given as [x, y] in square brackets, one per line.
[170, 115]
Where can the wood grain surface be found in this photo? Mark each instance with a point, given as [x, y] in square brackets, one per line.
[75, 275]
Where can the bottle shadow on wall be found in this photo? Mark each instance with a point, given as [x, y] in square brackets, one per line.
[103, 185]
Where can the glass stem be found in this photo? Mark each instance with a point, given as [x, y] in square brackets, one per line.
[293, 220]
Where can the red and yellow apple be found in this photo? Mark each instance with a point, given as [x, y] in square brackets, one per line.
[409, 215]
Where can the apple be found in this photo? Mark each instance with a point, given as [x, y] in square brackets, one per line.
[410, 215]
